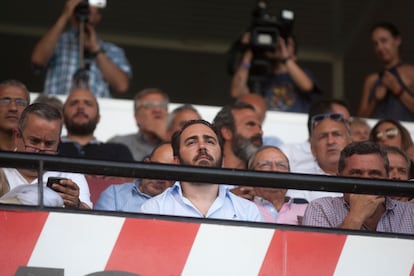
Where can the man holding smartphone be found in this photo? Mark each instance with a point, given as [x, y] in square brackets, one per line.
[38, 132]
[58, 52]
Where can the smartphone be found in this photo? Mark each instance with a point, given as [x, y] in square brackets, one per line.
[54, 180]
[97, 3]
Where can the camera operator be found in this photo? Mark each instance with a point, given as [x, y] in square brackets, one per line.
[58, 52]
[288, 87]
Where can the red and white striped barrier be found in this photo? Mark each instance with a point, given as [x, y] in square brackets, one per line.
[81, 244]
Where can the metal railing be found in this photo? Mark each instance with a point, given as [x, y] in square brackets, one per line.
[208, 175]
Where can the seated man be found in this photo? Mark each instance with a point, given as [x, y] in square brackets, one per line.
[14, 97]
[198, 143]
[150, 111]
[400, 165]
[272, 202]
[360, 211]
[81, 116]
[129, 197]
[39, 131]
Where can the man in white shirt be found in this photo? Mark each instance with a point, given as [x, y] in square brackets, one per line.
[39, 131]
[199, 144]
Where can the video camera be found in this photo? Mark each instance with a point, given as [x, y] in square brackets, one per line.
[265, 31]
[82, 9]
[266, 28]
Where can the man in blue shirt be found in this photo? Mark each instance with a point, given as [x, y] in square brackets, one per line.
[198, 143]
[129, 197]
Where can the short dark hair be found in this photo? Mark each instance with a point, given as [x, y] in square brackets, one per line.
[395, 150]
[148, 91]
[175, 140]
[42, 110]
[387, 26]
[362, 147]
[225, 118]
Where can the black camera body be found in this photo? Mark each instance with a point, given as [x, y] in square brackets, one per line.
[266, 28]
[82, 11]
[265, 31]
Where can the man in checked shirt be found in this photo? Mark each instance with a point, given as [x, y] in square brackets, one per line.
[358, 211]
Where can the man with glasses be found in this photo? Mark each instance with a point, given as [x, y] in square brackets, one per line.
[360, 211]
[272, 202]
[14, 97]
[151, 111]
[39, 132]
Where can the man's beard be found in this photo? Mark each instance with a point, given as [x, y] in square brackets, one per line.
[203, 163]
[244, 148]
[81, 129]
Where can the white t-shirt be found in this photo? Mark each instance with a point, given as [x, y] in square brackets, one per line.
[15, 179]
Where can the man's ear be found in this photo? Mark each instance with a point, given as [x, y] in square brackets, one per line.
[226, 133]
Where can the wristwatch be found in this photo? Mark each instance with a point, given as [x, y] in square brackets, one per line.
[97, 52]
[285, 59]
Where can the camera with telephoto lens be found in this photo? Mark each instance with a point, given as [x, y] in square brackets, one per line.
[82, 9]
[265, 31]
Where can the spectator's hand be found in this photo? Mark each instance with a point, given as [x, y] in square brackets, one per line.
[380, 92]
[91, 41]
[364, 206]
[70, 8]
[391, 82]
[282, 49]
[69, 192]
[246, 38]
[245, 192]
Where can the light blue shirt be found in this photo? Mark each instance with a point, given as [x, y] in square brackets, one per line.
[226, 206]
[122, 197]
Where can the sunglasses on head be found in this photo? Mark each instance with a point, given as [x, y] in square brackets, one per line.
[315, 120]
[389, 133]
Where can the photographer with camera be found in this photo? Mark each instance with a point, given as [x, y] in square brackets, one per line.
[264, 62]
[59, 51]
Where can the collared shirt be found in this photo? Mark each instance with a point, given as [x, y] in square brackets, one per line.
[15, 179]
[331, 212]
[138, 145]
[291, 213]
[65, 62]
[122, 197]
[226, 205]
[266, 208]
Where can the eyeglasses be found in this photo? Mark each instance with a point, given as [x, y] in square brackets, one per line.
[163, 105]
[317, 119]
[17, 101]
[33, 149]
[389, 133]
[266, 165]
